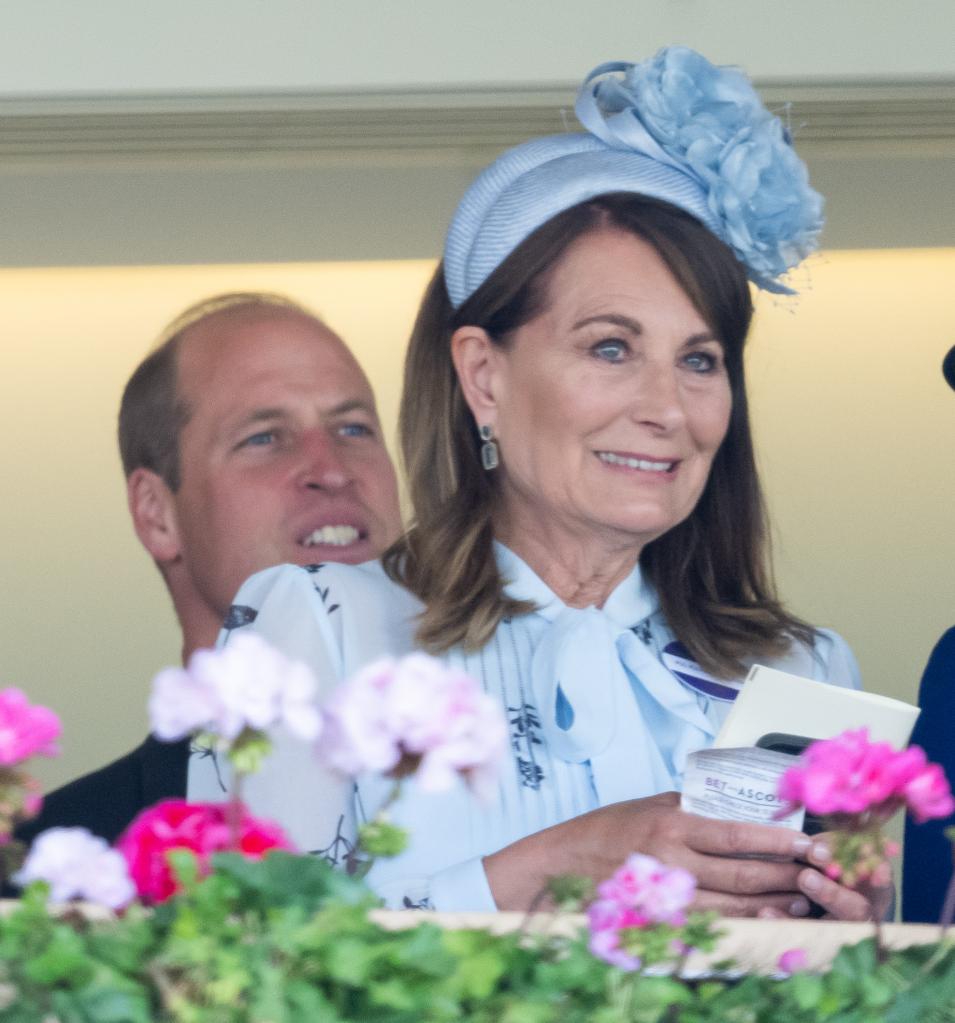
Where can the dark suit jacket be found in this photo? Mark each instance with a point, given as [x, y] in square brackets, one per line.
[106, 800]
[927, 866]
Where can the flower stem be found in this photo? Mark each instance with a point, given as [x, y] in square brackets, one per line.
[948, 906]
[234, 812]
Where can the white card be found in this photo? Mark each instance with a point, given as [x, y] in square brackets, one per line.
[775, 701]
[738, 785]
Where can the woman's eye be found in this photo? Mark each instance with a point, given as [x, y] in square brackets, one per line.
[611, 350]
[702, 362]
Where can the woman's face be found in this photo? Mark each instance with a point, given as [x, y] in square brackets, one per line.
[609, 407]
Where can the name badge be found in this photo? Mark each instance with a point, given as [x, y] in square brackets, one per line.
[678, 661]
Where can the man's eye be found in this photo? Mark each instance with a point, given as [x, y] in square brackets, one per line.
[702, 362]
[356, 430]
[258, 440]
[611, 350]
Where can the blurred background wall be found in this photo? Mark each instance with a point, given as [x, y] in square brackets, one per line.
[152, 155]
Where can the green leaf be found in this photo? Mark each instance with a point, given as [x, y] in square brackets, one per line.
[382, 838]
[806, 990]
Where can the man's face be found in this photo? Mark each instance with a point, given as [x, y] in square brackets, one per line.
[281, 460]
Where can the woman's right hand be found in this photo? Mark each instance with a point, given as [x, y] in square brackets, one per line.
[740, 869]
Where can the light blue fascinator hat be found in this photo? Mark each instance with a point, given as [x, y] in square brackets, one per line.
[674, 127]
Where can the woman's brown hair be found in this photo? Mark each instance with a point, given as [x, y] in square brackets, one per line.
[711, 571]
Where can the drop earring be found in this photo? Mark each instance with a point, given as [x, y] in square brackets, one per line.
[489, 452]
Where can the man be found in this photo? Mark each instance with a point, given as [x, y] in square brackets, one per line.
[249, 438]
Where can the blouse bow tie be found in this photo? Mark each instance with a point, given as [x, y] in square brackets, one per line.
[605, 698]
[603, 694]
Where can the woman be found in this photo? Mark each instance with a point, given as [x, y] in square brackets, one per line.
[586, 505]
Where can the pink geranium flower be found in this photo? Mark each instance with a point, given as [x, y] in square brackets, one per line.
[850, 775]
[77, 865]
[641, 893]
[202, 828]
[26, 730]
[661, 894]
[793, 960]
[247, 684]
[927, 793]
[415, 715]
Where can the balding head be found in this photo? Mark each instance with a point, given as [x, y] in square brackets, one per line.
[254, 441]
[152, 411]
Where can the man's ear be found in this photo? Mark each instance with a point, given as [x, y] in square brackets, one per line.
[152, 507]
[477, 361]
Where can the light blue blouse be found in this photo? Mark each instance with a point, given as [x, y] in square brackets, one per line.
[602, 705]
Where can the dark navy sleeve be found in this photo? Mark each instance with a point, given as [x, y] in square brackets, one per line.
[927, 864]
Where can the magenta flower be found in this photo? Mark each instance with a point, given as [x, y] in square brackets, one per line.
[246, 684]
[849, 775]
[641, 894]
[202, 828]
[927, 794]
[793, 960]
[26, 729]
[415, 715]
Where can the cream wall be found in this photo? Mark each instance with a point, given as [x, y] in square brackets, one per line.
[854, 424]
[61, 47]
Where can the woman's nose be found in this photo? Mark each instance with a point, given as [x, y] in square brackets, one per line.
[659, 401]
[322, 466]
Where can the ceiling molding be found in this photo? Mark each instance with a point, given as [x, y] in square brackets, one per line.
[430, 122]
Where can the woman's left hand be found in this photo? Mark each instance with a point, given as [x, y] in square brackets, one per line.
[870, 901]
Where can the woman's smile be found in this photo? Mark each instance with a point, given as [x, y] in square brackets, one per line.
[663, 468]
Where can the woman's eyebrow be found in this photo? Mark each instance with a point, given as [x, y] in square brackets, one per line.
[701, 338]
[617, 319]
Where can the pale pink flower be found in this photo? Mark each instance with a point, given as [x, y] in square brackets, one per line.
[661, 894]
[26, 729]
[415, 714]
[245, 684]
[641, 893]
[793, 960]
[604, 942]
[78, 865]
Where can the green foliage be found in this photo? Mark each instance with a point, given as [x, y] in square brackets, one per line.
[379, 837]
[289, 940]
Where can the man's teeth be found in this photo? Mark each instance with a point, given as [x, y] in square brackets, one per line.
[336, 536]
[635, 463]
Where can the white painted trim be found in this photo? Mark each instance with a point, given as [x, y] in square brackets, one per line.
[869, 112]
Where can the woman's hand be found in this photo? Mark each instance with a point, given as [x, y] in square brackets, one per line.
[870, 901]
[741, 869]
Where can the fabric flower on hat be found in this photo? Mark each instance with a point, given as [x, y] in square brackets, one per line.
[760, 190]
[78, 865]
[201, 828]
[682, 98]
[680, 109]
[415, 715]
[246, 684]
